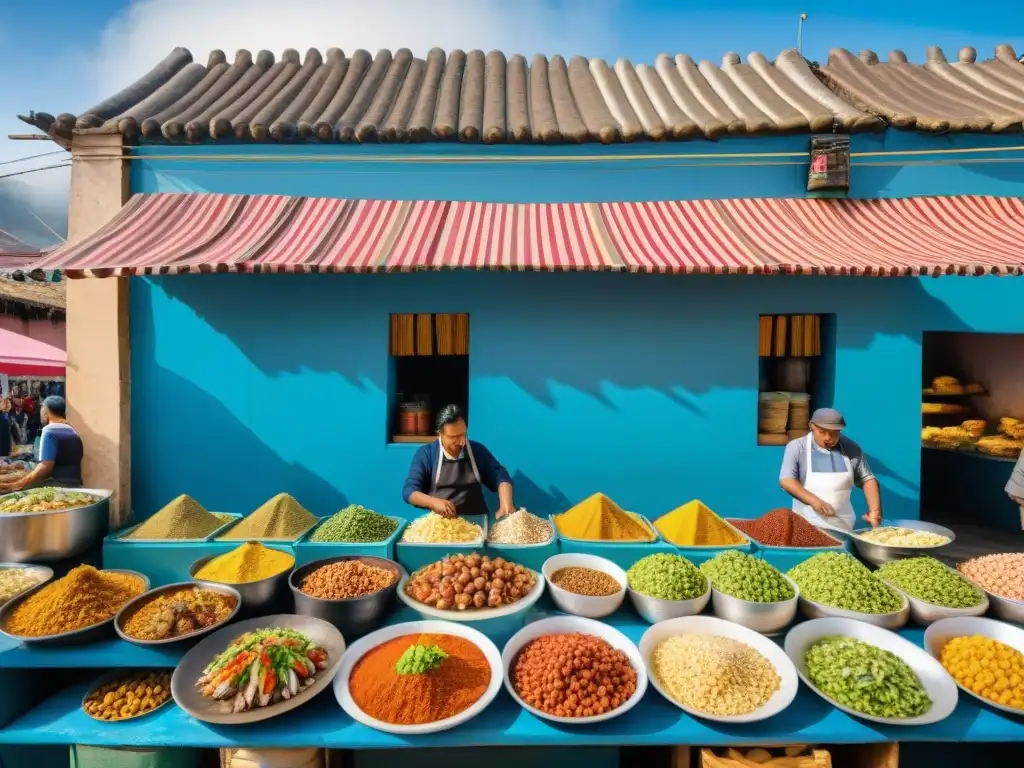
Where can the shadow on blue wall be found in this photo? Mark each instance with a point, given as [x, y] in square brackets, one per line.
[643, 387]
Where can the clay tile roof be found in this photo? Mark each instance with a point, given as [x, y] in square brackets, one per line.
[471, 97]
[966, 95]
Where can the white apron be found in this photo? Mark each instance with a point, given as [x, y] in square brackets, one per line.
[834, 488]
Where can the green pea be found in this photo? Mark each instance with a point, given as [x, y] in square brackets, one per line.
[747, 577]
[838, 580]
[929, 580]
[668, 577]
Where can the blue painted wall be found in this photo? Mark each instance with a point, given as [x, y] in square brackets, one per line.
[644, 387]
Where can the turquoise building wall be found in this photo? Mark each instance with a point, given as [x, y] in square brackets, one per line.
[644, 387]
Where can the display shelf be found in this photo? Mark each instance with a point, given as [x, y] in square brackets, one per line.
[111, 653]
[975, 454]
[59, 720]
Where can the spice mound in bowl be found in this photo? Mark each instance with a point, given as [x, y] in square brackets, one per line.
[184, 518]
[866, 678]
[925, 578]
[747, 578]
[355, 524]
[838, 580]
[987, 668]
[470, 582]
[420, 678]
[45, 500]
[598, 518]
[431, 528]
[521, 528]
[128, 696]
[588, 582]
[694, 524]
[246, 563]
[714, 675]
[1002, 574]
[282, 517]
[783, 527]
[346, 579]
[14, 581]
[81, 599]
[890, 536]
[573, 675]
[177, 614]
[262, 668]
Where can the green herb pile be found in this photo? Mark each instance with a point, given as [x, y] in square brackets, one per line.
[747, 577]
[927, 579]
[418, 659]
[865, 678]
[838, 580]
[355, 524]
[668, 577]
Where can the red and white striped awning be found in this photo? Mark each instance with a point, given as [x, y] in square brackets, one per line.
[179, 233]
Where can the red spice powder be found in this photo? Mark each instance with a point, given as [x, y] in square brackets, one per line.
[784, 528]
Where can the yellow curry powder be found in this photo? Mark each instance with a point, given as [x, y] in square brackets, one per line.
[598, 518]
[280, 518]
[695, 525]
[249, 562]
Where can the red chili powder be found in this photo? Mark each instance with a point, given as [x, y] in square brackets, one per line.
[784, 528]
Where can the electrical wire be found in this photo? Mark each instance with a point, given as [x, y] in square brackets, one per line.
[32, 157]
[35, 170]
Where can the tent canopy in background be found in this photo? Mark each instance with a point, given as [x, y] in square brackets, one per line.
[22, 356]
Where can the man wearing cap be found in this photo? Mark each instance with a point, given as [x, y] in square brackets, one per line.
[820, 471]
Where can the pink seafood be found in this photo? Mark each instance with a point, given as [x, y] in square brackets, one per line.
[1001, 575]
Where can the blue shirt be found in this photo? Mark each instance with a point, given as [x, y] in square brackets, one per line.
[794, 461]
[424, 466]
[61, 444]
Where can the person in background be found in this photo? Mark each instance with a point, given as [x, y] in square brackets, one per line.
[60, 451]
[1015, 486]
[6, 438]
[447, 475]
[820, 471]
[28, 404]
[19, 419]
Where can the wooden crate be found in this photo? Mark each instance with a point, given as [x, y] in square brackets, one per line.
[842, 756]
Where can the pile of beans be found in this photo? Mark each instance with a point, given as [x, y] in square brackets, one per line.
[785, 528]
[131, 696]
[987, 667]
[585, 581]
[1001, 575]
[573, 675]
[463, 582]
[346, 579]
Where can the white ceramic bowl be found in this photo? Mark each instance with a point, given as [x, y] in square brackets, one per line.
[361, 647]
[583, 605]
[563, 625]
[944, 630]
[937, 683]
[481, 614]
[709, 625]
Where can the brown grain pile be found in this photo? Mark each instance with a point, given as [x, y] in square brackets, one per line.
[347, 579]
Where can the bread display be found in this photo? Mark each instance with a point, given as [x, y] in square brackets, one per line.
[947, 385]
[1012, 428]
[944, 409]
[999, 445]
[975, 427]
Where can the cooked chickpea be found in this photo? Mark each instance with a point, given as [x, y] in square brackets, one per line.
[133, 696]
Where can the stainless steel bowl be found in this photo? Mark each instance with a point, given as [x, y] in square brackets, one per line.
[766, 618]
[1006, 609]
[123, 615]
[57, 535]
[41, 571]
[894, 620]
[258, 597]
[655, 609]
[878, 554]
[84, 635]
[355, 615]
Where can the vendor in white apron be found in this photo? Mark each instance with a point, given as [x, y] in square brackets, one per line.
[821, 470]
[448, 475]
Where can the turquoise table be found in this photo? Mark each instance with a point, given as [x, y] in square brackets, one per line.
[59, 719]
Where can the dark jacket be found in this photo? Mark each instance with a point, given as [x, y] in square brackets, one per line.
[424, 466]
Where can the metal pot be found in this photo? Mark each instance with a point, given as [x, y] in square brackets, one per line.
[258, 597]
[353, 616]
[56, 535]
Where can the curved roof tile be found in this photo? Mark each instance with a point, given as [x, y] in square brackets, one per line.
[469, 97]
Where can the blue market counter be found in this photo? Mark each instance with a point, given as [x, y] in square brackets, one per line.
[60, 720]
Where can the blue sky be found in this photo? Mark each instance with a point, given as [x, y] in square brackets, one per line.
[68, 55]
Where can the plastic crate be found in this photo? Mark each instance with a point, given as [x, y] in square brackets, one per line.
[307, 551]
[622, 553]
[412, 557]
[529, 555]
[163, 561]
[292, 541]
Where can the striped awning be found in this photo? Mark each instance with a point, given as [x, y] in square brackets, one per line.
[180, 233]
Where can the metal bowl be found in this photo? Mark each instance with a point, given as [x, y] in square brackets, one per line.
[83, 635]
[56, 535]
[894, 620]
[116, 674]
[354, 615]
[1005, 608]
[261, 596]
[122, 616]
[44, 573]
[766, 618]
[924, 613]
[655, 609]
[878, 554]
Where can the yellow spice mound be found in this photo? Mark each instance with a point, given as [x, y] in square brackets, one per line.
[598, 518]
[695, 525]
[183, 518]
[249, 562]
[280, 518]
